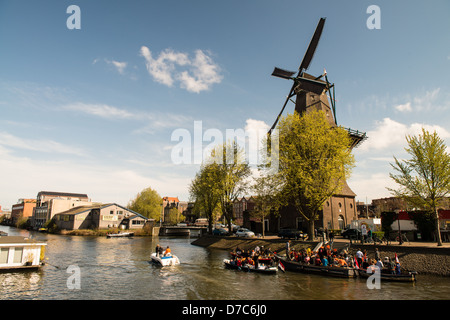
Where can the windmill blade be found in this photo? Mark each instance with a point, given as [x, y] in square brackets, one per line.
[312, 46]
[281, 73]
[282, 109]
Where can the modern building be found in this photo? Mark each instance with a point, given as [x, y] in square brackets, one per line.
[49, 203]
[99, 216]
[22, 209]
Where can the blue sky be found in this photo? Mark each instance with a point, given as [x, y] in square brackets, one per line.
[93, 110]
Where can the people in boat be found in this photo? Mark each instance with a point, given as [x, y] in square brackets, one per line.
[373, 267]
[158, 249]
[317, 261]
[168, 252]
[391, 266]
[397, 268]
[379, 264]
[359, 257]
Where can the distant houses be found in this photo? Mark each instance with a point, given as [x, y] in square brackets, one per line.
[73, 211]
[99, 216]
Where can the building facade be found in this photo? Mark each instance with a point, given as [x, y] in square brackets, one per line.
[336, 214]
[22, 209]
[99, 216]
[49, 203]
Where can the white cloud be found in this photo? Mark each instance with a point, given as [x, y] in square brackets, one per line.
[102, 182]
[197, 75]
[100, 110]
[371, 185]
[404, 107]
[389, 133]
[431, 100]
[120, 66]
[153, 121]
[48, 146]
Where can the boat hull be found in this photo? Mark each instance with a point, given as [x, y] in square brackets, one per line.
[120, 235]
[409, 277]
[165, 261]
[263, 270]
[332, 271]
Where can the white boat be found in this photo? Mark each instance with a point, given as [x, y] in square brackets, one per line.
[171, 260]
[120, 234]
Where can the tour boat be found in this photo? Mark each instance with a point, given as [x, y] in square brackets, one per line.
[120, 234]
[262, 268]
[344, 272]
[404, 277]
[171, 260]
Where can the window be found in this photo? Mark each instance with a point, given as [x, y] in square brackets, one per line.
[4, 255]
[111, 212]
[18, 255]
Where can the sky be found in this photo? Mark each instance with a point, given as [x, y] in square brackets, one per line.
[92, 99]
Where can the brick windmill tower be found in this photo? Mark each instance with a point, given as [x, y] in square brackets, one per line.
[317, 93]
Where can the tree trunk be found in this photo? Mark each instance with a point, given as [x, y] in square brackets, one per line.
[438, 231]
[311, 232]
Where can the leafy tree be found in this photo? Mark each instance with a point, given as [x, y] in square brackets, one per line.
[424, 180]
[148, 203]
[173, 216]
[203, 190]
[232, 172]
[265, 198]
[314, 161]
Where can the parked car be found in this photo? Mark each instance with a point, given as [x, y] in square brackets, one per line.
[220, 232]
[243, 232]
[353, 233]
[291, 233]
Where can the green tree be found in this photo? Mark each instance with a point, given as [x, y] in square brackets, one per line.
[424, 180]
[204, 192]
[148, 203]
[232, 171]
[173, 217]
[314, 161]
[265, 199]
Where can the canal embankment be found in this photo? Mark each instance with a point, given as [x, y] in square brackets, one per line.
[424, 259]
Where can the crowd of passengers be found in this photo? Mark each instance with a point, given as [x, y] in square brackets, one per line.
[326, 256]
[253, 257]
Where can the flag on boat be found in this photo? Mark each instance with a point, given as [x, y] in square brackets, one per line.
[396, 258]
[281, 266]
[356, 264]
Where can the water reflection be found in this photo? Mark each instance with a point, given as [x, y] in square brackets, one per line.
[121, 269]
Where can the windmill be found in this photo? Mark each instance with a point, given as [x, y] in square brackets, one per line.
[311, 91]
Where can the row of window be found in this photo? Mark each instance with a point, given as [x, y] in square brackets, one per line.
[340, 205]
[4, 254]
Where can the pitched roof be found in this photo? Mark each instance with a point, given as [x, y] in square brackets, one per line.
[171, 199]
[81, 209]
[62, 194]
[346, 191]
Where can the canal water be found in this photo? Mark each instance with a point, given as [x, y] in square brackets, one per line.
[120, 268]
